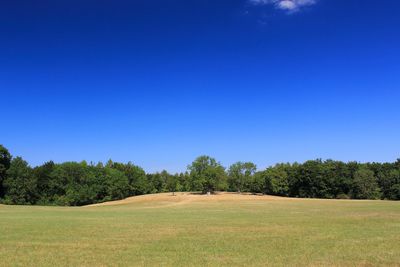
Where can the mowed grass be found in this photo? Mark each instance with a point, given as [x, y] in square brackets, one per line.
[194, 230]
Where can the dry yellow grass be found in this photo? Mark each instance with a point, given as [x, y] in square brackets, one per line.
[185, 198]
[226, 229]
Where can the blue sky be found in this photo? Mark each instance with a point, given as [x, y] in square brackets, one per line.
[161, 82]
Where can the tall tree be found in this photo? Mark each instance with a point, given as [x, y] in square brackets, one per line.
[257, 183]
[117, 184]
[184, 181]
[276, 180]
[207, 175]
[239, 175]
[365, 185]
[172, 183]
[138, 181]
[394, 189]
[20, 183]
[5, 161]
[43, 178]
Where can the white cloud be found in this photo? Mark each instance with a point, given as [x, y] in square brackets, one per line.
[288, 5]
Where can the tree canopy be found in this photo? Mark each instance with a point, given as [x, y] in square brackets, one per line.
[239, 176]
[5, 161]
[207, 175]
[80, 183]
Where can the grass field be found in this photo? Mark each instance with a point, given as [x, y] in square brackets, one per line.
[188, 230]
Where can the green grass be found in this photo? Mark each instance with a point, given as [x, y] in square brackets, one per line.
[173, 232]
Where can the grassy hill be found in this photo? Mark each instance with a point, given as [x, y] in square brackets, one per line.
[189, 229]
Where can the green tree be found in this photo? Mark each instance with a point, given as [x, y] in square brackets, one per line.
[184, 181]
[276, 180]
[309, 180]
[394, 189]
[138, 181]
[42, 175]
[365, 185]
[117, 184]
[240, 175]
[158, 181]
[207, 175]
[257, 183]
[71, 184]
[20, 184]
[5, 161]
[172, 183]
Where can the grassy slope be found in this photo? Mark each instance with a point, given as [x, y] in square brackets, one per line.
[199, 230]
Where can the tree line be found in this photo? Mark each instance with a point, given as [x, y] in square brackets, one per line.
[82, 183]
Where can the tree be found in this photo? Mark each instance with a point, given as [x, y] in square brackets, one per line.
[138, 181]
[184, 181]
[72, 184]
[5, 161]
[20, 184]
[76, 184]
[172, 183]
[239, 175]
[117, 184]
[207, 175]
[394, 185]
[158, 181]
[276, 180]
[397, 164]
[257, 183]
[395, 192]
[312, 179]
[42, 175]
[365, 185]
[339, 178]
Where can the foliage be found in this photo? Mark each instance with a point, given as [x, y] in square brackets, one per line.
[172, 183]
[5, 161]
[80, 183]
[365, 185]
[207, 175]
[239, 176]
[20, 184]
[276, 180]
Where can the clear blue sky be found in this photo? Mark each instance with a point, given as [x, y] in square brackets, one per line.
[161, 82]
